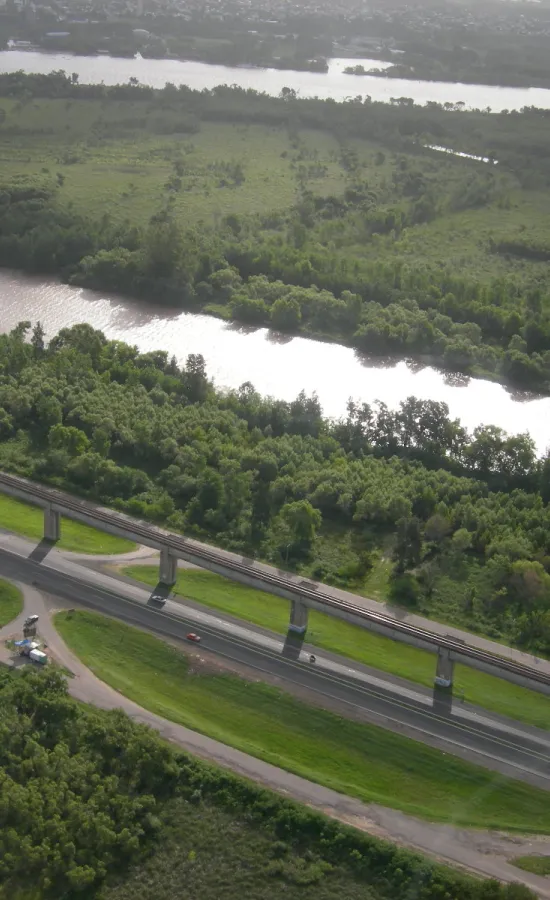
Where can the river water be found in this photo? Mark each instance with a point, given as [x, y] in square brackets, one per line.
[334, 83]
[276, 365]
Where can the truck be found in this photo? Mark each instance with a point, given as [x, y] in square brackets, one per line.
[38, 656]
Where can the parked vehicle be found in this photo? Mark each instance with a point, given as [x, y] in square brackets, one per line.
[26, 647]
[312, 658]
[193, 637]
[31, 620]
[38, 656]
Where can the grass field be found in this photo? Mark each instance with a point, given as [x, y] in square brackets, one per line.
[538, 865]
[356, 759]
[11, 602]
[29, 521]
[117, 158]
[272, 612]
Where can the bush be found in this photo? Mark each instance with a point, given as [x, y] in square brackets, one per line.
[404, 590]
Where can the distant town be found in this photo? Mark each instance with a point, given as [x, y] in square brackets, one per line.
[496, 42]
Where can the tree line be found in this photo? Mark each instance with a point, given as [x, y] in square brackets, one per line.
[466, 516]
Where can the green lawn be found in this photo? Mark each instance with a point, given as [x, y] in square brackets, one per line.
[538, 865]
[271, 612]
[11, 602]
[356, 759]
[29, 521]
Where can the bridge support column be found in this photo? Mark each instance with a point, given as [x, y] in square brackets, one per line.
[297, 628]
[52, 524]
[168, 567]
[445, 669]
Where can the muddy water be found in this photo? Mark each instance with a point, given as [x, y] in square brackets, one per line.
[276, 365]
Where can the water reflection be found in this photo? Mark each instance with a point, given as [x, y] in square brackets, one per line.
[334, 83]
[277, 365]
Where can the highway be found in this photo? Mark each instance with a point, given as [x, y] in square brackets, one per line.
[509, 748]
[302, 594]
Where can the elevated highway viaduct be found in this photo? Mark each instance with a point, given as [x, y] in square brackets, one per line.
[302, 595]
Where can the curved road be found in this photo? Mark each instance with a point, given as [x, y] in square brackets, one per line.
[480, 852]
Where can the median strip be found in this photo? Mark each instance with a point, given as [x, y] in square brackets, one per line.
[361, 760]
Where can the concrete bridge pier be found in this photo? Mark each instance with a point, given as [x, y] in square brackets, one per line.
[444, 671]
[52, 524]
[168, 568]
[296, 629]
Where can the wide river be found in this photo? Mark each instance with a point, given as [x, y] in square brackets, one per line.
[276, 365]
[334, 83]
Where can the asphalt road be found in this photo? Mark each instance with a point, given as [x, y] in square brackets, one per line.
[509, 748]
[482, 852]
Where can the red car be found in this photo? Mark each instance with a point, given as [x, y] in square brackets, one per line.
[193, 637]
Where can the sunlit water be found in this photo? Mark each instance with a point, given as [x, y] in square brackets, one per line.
[276, 365]
[334, 83]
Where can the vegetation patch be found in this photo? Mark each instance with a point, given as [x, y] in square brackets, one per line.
[444, 523]
[11, 602]
[29, 521]
[97, 806]
[337, 221]
[356, 759]
[538, 865]
[359, 644]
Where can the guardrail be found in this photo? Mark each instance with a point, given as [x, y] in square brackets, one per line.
[152, 536]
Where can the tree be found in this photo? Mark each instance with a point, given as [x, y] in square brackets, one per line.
[195, 379]
[37, 339]
[165, 248]
[404, 590]
[68, 438]
[48, 412]
[437, 528]
[461, 541]
[285, 315]
[408, 546]
[295, 528]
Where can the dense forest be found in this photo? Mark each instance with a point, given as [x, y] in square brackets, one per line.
[87, 796]
[365, 264]
[463, 517]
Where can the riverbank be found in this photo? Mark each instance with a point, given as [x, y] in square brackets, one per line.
[333, 84]
[276, 366]
[390, 248]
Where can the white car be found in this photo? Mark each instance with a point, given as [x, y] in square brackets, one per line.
[30, 620]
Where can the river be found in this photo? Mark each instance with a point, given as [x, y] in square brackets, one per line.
[334, 83]
[275, 364]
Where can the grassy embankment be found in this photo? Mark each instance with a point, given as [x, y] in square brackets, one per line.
[114, 156]
[271, 612]
[11, 602]
[29, 521]
[356, 759]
